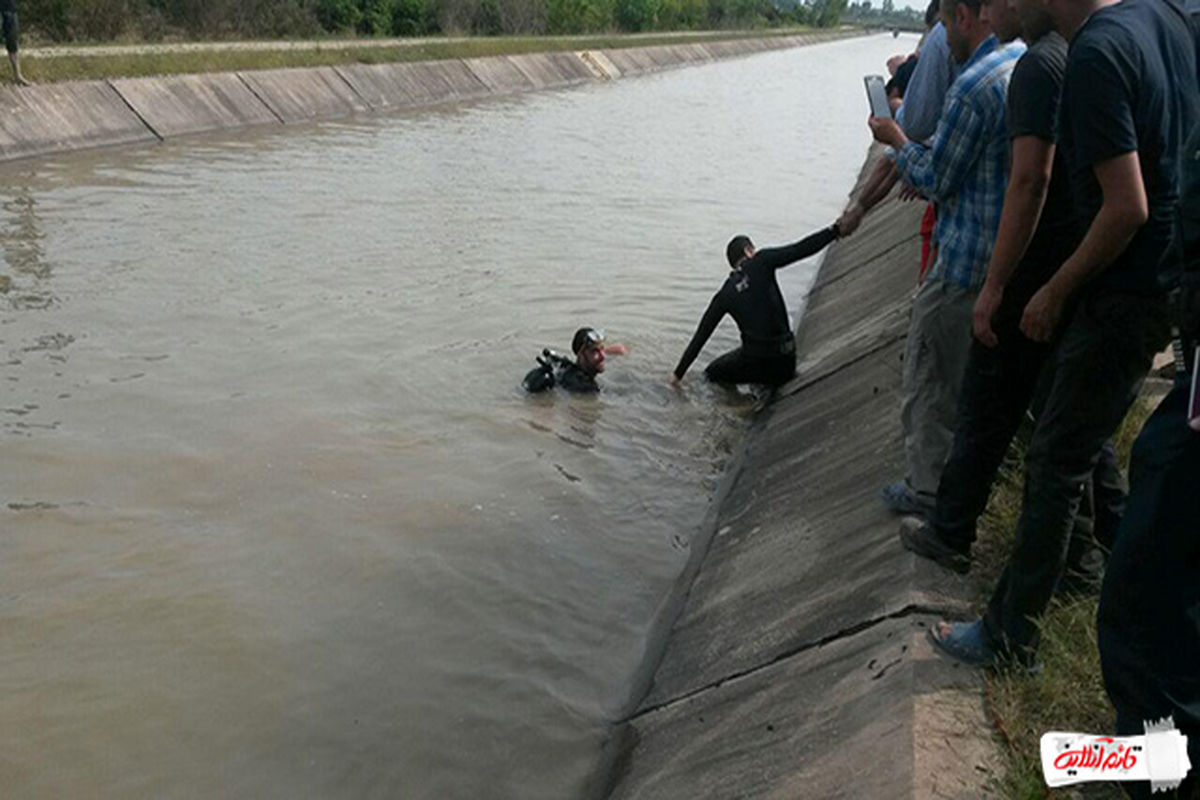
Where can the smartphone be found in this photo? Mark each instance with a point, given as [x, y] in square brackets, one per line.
[877, 96]
[1193, 411]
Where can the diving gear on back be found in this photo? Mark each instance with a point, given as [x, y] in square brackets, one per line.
[545, 374]
[555, 369]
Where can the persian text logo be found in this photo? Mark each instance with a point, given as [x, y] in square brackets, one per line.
[1160, 757]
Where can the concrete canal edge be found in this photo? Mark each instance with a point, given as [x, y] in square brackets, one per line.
[59, 117]
[791, 660]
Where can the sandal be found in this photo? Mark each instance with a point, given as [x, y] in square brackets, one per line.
[964, 642]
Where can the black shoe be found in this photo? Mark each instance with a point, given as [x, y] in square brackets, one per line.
[918, 537]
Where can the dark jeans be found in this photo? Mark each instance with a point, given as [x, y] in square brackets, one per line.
[1096, 523]
[997, 388]
[999, 385]
[11, 26]
[737, 367]
[1149, 621]
[1098, 366]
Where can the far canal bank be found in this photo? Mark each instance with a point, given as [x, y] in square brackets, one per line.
[74, 115]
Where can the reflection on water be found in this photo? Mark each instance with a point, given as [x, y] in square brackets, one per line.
[21, 242]
[26, 288]
[277, 518]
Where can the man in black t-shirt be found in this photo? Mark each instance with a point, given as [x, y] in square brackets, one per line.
[11, 27]
[751, 296]
[1148, 625]
[1130, 96]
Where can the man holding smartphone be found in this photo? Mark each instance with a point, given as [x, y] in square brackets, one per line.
[964, 169]
[918, 117]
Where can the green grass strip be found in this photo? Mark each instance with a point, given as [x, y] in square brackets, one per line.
[82, 66]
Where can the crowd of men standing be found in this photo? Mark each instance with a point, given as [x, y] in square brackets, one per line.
[1050, 138]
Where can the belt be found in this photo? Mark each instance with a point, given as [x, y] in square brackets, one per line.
[770, 347]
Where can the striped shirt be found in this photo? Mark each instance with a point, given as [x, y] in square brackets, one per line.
[964, 169]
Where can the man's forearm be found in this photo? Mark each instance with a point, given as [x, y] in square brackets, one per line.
[1109, 234]
[1124, 210]
[879, 185]
[1023, 203]
[708, 323]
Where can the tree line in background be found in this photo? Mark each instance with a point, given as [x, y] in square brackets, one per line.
[107, 20]
[885, 15]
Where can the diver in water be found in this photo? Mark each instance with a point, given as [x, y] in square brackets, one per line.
[751, 295]
[578, 376]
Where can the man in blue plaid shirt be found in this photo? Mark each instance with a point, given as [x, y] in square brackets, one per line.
[964, 169]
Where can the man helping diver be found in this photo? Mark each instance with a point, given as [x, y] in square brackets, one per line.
[578, 376]
[751, 296]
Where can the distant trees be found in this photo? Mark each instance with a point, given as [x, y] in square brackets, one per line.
[888, 16]
[826, 13]
[106, 20]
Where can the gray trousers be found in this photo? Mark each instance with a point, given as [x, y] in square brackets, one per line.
[935, 358]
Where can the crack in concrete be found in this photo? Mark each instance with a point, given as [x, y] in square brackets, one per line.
[908, 611]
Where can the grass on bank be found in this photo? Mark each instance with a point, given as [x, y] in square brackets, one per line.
[1068, 694]
[82, 66]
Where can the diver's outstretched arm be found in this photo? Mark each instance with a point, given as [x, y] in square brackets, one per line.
[776, 257]
[708, 323]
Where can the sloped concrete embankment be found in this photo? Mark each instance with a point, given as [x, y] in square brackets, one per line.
[54, 118]
[795, 665]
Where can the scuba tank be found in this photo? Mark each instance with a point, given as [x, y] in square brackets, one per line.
[544, 375]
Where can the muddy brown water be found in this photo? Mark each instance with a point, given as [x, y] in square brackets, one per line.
[276, 519]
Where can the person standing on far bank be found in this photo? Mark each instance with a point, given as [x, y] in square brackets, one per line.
[12, 32]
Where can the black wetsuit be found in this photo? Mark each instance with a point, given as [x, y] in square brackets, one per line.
[576, 381]
[562, 373]
[751, 295]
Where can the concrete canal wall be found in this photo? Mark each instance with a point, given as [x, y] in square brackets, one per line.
[792, 662]
[53, 118]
